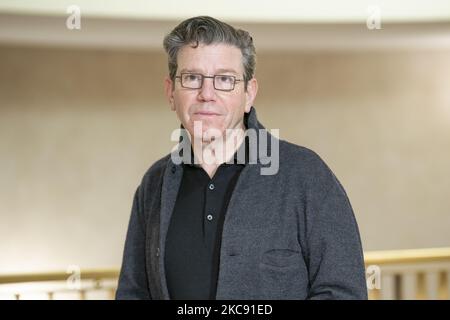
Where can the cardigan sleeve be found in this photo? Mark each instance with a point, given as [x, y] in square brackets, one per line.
[335, 257]
[133, 276]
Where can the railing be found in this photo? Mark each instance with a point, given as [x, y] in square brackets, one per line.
[399, 274]
[408, 274]
[74, 284]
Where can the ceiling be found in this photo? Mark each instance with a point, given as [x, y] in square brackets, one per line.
[288, 25]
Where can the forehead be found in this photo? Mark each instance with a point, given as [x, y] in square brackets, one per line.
[210, 58]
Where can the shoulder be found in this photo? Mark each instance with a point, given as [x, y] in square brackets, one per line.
[149, 187]
[153, 174]
[157, 167]
[301, 159]
[306, 165]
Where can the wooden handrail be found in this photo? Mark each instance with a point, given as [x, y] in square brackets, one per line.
[409, 256]
[88, 274]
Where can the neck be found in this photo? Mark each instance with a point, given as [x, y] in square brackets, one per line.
[212, 153]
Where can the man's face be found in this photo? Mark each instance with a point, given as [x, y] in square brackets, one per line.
[212, 108]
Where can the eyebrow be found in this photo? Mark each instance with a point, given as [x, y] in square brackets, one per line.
[227, 71]
[218, 71]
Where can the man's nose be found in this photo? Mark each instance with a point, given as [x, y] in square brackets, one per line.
[207, 91]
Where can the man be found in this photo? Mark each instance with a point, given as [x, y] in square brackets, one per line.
[225, 228]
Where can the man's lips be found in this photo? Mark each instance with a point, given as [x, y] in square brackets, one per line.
[206, 113]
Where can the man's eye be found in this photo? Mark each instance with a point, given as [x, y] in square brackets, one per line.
[192, 77]
[225, 79]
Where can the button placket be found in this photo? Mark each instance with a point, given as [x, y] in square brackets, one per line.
[211, 187]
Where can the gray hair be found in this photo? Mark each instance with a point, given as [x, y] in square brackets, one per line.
[207, 30]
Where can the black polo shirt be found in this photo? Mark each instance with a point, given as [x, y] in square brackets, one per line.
[195, 231]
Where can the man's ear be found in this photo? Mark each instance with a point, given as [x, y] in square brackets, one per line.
[250, 95]
[168, 87]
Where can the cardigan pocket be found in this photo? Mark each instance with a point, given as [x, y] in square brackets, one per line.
[280, 257]
[282, 275]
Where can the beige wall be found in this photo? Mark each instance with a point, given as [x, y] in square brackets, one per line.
[78, 129]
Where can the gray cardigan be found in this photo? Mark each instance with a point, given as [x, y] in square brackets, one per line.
[291, 235]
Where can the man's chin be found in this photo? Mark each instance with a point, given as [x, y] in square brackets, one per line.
[208, 135]
[211, 134]
[206, 131]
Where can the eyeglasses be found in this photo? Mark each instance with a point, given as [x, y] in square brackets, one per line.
[195, 81]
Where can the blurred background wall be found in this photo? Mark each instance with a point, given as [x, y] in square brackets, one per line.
[83, 116]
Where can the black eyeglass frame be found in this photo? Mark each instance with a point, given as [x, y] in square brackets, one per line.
[203, 77]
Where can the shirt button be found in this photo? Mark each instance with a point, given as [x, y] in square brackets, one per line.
[211, 186]
[209, 217]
